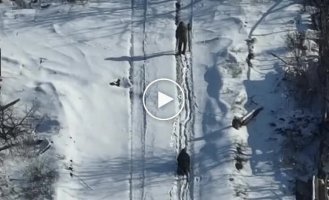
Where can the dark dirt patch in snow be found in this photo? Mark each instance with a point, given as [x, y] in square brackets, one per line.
[240, 156]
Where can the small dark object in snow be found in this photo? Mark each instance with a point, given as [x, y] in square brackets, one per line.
[177, 5]
[116, 83]
[272, 124]
[71, 174]
[237, 122]
[44, 5]
[42, 145]
[251, 56]
[278, 129]
[70, 168]
[281, 119]
[239, 150]
[238, 165]
[183, 161]
[231, 179]
[251, 41]
[37, 142]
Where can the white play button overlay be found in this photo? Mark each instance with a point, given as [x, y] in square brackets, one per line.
[163, 99]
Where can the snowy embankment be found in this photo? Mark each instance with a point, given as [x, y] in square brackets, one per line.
[107, 147]
[71, 84]
[227, 86]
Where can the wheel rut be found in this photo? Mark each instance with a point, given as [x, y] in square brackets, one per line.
[184, 130]
[138, 128]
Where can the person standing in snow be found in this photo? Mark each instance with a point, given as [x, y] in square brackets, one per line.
[181, 37]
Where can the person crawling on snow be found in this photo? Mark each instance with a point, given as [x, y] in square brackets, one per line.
[183, 161]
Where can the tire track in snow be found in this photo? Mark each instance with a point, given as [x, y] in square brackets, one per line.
[177, 130]
[181, 139]
[131, 53]
[144, 2]
[189, 128]
[191, 96]
[185, 187]
[186, 129]
[2, 32]
[137, 78]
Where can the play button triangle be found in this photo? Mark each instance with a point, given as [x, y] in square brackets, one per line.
[163, 99]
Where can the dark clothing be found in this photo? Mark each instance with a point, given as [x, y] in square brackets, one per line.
[181, 32]
[236, 123]
[183, 160]
[181, 37]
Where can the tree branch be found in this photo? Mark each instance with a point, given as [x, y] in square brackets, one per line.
[279, 58]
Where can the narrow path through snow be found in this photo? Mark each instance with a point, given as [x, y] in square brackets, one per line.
[138, 115]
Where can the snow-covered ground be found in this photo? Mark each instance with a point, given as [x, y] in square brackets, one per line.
[65, 56]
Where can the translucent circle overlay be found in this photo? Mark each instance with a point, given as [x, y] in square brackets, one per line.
[181, 96]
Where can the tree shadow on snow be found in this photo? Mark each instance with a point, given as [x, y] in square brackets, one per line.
[212, 154]
[274, 8]
[214, 151]
[108, 177]
[47, 125]
[214, 80]
[264, 158]
[67, 13]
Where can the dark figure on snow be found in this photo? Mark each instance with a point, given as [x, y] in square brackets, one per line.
[115, 83]
[183, 160]
[181, 37]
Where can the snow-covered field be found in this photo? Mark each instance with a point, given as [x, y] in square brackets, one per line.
[65, 56]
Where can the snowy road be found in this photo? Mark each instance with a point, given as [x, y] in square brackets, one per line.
[64, 57]
[153, 159]
[138, 115]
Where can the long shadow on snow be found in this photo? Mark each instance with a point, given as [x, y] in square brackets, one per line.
[214, 80]
[110, 176]
[140, 58]
[59, 15]
[54, 16]
[210, 155]
[271, 10]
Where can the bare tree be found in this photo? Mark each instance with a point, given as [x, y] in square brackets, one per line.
[15, 128]
[301, 69]
[39, 177]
